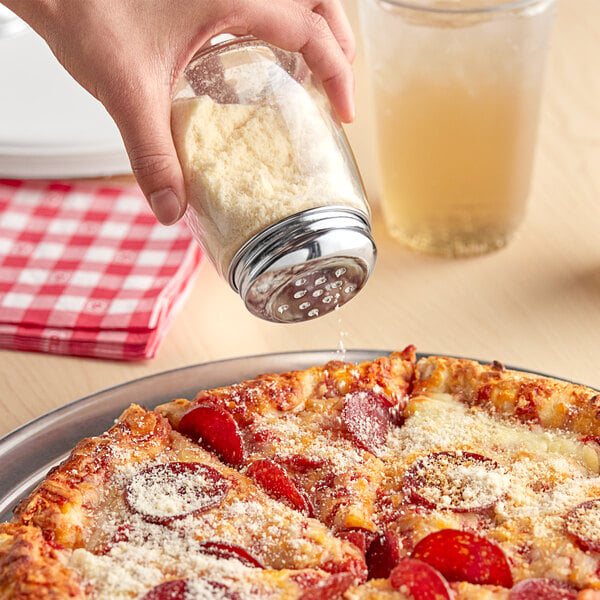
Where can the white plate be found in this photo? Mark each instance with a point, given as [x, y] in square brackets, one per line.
[50, 126]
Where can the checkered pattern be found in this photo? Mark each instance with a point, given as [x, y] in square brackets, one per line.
[87, 270]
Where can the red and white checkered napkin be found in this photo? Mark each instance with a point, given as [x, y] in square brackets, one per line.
[87, 270]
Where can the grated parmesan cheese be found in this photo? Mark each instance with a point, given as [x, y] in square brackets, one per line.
[161, 493]
[544, 475]
[128, 554]
[529, 487]
[247, 166]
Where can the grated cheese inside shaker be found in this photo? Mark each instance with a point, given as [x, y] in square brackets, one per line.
[274, 194]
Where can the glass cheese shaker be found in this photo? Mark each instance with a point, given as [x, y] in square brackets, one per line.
[275, 197]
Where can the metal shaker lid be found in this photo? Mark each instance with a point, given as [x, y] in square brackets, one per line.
[305, 265]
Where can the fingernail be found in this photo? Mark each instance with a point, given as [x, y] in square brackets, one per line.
[165, 205]
[353, 100]
[352, 113]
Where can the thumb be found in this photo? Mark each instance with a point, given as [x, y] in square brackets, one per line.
[144, 123]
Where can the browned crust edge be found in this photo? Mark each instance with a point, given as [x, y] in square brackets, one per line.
[527, 397]
[31, 569]
[63, 504]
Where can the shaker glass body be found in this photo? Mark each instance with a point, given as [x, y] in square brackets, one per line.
[258, 141]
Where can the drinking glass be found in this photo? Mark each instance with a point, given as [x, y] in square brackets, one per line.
[456, 88]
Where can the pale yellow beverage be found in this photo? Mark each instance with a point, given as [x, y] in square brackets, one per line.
[456, 100]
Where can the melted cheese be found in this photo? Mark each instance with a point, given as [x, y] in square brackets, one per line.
[129, 568]
[545, 474]
[444, 423]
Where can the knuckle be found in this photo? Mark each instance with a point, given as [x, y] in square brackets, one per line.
[316, 24]
[334, 14]
[148, 161]
[234, 15]
[238, 18]
[323, 7]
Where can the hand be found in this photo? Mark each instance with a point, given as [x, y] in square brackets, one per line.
[130, 53]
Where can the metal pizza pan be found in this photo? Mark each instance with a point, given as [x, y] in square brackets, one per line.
[28, 453]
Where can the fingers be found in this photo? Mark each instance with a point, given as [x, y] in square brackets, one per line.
[292, 26]
[333, 12]
[144, 123]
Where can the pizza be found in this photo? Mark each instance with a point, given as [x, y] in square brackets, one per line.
[400, 478]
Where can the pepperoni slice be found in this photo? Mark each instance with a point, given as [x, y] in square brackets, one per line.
[464, 556]
[216, 430]
[274, 480]
[186, 589]
[457, 481]
[330, 588]
[166, 492]
[361, 538]
[583, 523]
[397, 417]
[307, 578]
[227, 551]
[382, 555]
[170, 590]
[366, 415]
[302, 463]
[354, 565]
[121, 534]
[548, 589]
[420, 580]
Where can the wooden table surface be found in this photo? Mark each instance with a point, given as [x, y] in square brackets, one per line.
[534, 304]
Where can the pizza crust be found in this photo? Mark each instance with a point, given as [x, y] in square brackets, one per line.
[527, 397]
[74, 532]
[62, 507]
[31, 569]
[327, 460]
